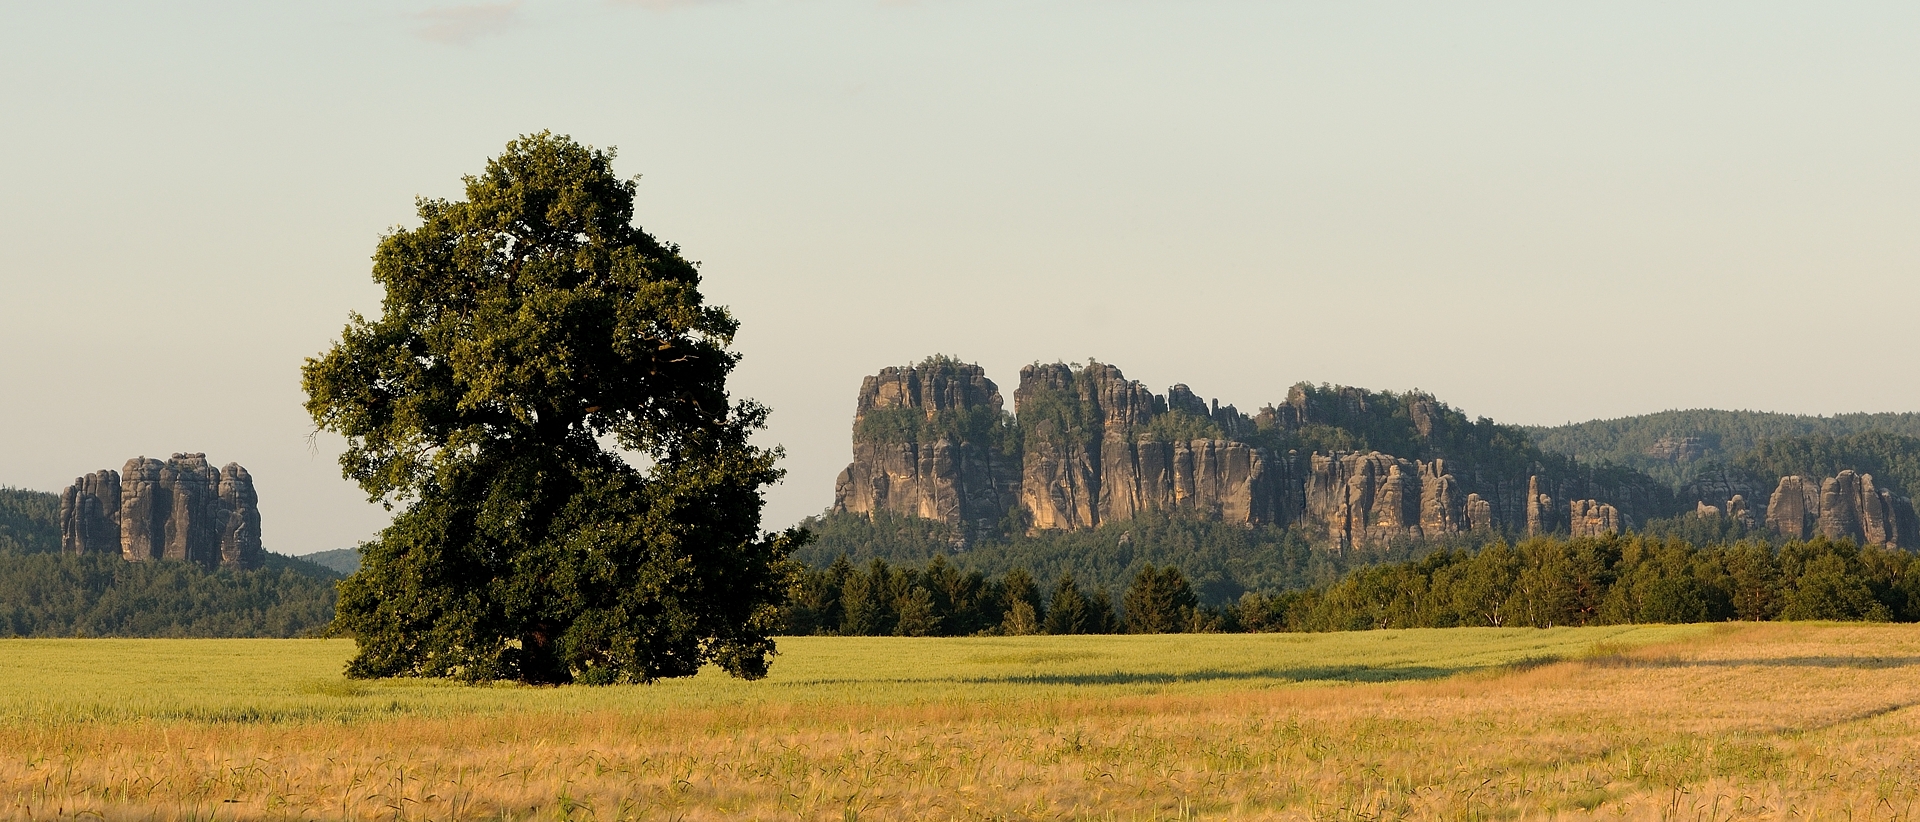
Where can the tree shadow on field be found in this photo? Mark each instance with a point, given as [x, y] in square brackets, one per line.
[1305, 673]
[1317, 673]
[1858, 662]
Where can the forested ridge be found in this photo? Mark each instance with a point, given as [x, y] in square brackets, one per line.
[1715, 439]
[1893, 459]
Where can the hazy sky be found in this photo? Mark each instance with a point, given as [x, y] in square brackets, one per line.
[1541, 212]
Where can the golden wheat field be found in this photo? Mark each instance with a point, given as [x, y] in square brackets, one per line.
[1801, 721]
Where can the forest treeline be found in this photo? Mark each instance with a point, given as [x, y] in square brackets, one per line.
[1221, 560]
[1541, 582]
[1611, 580]
[64, 595]
[883, 599]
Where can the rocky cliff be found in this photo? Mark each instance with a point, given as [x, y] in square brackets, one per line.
[931, 441]
[1088, 446]
[1372, 498]
[1099, 447]
[1845, 506]
[181, 509]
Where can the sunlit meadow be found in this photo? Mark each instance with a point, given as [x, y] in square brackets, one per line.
[1695, 722]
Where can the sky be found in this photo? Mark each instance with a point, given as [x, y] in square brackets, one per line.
[1540, 212]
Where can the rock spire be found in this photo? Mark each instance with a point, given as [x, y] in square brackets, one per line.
[180, 509]
[1845, 506]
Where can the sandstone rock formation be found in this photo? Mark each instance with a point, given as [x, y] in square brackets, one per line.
[181, 509]
[925, 445]
[1479, 513]
[1794, 507]
[1369, 499]
[90, 515]
[1091, 456]
[1592, 518]
[1087, 446]
[1736, 508]
[1845, 506]
[1540, 513]
[1225, 480]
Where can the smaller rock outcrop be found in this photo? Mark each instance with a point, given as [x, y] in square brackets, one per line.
[1677, 449]
[182, 509]
[1373, 498]
[1540, 513]
[1592, 518]
[1737, 509]
[90, 515]
[1844, 506]
[1479, 513]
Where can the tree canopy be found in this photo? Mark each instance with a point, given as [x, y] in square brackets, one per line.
[530, 334]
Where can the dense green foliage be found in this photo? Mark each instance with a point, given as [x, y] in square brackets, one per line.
[1606, 581]
[521, 328]
[883, 599]
[1159, 601]
[1222, 560]
[1176, 425]
[1726, 436]
[55, 594]
[971, 425]
[1543, 582]
[1717, 529]
[29, 521]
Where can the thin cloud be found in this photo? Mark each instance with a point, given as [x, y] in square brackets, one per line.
[460, 25]
[666, 5]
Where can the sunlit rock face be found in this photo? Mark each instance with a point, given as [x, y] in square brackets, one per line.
[1087, 446]
[930, 441]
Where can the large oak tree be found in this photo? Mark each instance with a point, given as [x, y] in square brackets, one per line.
[527, 330]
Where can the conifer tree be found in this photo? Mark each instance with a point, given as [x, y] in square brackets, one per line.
[1159, 601]
[1068, 612]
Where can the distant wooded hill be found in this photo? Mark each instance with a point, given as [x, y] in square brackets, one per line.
[1678, 447]
[342, 561]
[47, 593]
